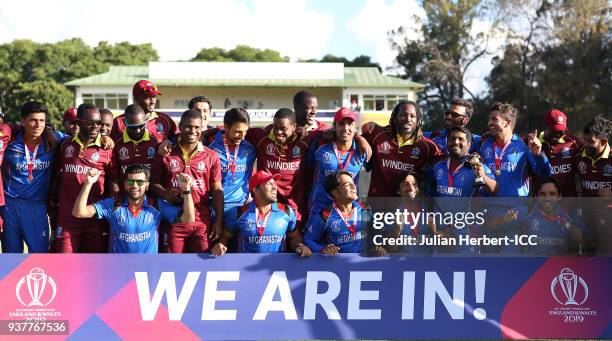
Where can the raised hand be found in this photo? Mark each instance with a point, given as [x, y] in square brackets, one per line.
[533, 142]
[184, 181]
[92, 176]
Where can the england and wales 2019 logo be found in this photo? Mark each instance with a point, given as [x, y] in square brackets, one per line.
[36, 290]
[571, 291]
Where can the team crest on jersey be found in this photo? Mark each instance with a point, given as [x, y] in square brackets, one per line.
[1, 145]
[582, 167]
[124, 153]
[201, 166]
[160, 127]
[462, 177]
[121, 221]
[151, 152]
[95, 157]
[565, 152]
[416, 151]
[148, 219]
[385, 148]
[270, 150]
[250, 225]
[335, 226]
[69, 152]
[296, 151]
[608, 169]
[535, 225]
[175, 166]
[326, 157]
[514, 152]
[440, 173]
[488, 152]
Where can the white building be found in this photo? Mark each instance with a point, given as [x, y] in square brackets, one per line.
[262, 88]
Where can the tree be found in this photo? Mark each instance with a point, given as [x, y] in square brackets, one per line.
[125, 53]
[55, 95]
[359, 61]
[563, 61]
[445, 48]
[241, 53]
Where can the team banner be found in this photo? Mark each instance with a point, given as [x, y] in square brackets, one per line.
[279, 296]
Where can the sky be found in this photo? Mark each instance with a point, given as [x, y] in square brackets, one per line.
[299, 29]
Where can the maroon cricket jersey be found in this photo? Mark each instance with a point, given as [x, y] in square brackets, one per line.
[128, 152]
[203, 166]
[594, 173]
[561, 157]
[5, 138]
[289, 161]
[73, 161]
[391, 162]
[313, 133]
[160, 125]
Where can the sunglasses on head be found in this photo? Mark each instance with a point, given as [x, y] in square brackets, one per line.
[453, 114]
[131, 182]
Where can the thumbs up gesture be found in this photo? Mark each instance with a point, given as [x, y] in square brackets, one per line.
[533, 142]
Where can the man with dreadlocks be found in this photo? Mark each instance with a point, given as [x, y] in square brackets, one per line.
[398, 149]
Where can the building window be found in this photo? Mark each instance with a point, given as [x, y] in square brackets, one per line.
[109, 101]
[381, 102]
[181, 103]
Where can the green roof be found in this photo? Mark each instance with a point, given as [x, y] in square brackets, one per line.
[354, 77]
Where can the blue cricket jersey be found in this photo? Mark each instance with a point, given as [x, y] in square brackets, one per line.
[441, 142]
[329, 227]
[552, 232]
[325, 161]
[235, 186]
[516, 163]
[265, 236]
[135, 234]
[15, 171]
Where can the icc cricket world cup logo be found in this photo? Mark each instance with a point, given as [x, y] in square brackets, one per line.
[569, 283]
[37, 283]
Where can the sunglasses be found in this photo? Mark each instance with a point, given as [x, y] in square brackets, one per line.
[453, 114]
[91, 122]
[132, 182]
[135, 126]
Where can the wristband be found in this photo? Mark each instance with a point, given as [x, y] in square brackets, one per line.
[187, 192]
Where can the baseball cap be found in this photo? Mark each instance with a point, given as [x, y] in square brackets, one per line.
[144, 88]
[344, 113]
[69, 115]
[261, 177]
[556, 120]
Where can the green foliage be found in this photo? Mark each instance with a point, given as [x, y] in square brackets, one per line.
[53, 94]
[125, 53]
[30, 70]
[567, 68]
[441, 50]
[359, 61]
[240, 53]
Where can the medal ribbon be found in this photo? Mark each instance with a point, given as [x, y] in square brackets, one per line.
[351, 227]
[262, 227]
[30, 162]
[451, 174]
[232, 165]
[348, 159]
[498, 158]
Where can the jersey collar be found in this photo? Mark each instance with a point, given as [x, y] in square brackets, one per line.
[604, 155]
[186, 155]
[152, 116]
[407, 142]
[96, 143]
[291, 138]
[127, 138]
